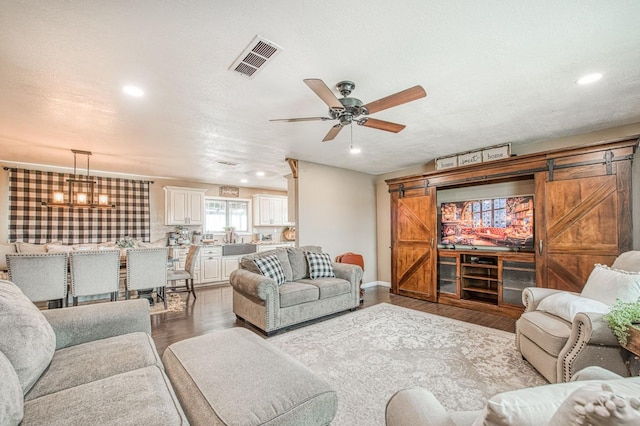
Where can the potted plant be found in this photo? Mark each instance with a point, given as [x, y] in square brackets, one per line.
[622, 317]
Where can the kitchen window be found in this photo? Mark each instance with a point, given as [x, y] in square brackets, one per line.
[222, 212]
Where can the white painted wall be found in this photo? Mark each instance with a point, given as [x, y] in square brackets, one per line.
[337, 211]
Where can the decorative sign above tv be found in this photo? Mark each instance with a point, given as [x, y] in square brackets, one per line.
[495, 222]
[484, 155]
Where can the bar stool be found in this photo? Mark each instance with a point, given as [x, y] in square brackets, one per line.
[187, 274]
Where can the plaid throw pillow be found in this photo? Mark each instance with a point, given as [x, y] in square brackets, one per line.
[319, 265]
[271, 267]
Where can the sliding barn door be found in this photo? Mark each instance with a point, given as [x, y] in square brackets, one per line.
[583, 217]
[413, 238]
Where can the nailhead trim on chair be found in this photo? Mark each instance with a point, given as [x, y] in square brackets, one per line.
[271, 313]
[567, 361]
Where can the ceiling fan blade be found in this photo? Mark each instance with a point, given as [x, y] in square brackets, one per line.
[293, 120]
[408, 95]
[324, 93]
[333, 132]
[381, 125]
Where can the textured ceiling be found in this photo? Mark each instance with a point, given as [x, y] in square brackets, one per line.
[494, 72]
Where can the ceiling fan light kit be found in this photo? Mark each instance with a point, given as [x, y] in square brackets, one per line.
[348, 110]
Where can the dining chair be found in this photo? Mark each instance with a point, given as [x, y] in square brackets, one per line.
[93, 273]
[147, 269]
[188, 274]
[41, 276]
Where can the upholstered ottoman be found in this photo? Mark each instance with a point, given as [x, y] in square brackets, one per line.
[234, 377]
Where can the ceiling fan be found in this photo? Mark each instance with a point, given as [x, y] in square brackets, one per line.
[349, 110]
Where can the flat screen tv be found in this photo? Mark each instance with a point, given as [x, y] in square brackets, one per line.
[494, 222]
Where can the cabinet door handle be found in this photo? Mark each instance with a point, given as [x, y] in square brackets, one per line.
[432, 243]
[540, 247]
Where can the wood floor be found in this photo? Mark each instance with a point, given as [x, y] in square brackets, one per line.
[212, 310]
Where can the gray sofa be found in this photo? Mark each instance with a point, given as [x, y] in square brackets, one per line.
[595, 396]
[94, 364]
[97, 365]
[260, 301]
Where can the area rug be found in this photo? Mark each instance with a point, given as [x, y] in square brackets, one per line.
[370, 354]
[174, 304]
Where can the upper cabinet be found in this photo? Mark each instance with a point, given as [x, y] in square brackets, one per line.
[184, 206]
[270, 210]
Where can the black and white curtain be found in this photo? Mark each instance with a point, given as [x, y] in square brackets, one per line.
[30, 221]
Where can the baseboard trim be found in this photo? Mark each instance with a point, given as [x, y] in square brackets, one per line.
[376, 283]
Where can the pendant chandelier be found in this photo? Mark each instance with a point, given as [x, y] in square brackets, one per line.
[80, 190]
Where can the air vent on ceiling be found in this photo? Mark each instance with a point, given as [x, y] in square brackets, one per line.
[227, 163]
[259, 52]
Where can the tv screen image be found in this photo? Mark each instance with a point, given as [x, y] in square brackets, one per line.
[494, 222]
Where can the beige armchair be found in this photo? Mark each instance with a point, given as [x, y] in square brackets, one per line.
[562, 332]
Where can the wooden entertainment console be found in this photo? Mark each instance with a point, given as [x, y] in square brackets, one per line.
[582, 216]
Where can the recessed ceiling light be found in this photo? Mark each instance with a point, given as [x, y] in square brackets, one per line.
[589, 78]
[133, 91]
[354, 150]
[244, 180]
[260, 174]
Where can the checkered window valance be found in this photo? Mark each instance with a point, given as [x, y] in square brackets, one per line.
[30, 221]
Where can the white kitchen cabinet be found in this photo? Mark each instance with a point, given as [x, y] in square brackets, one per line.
[210, 264]
[184, 206]
[270, 210]
[229, 264]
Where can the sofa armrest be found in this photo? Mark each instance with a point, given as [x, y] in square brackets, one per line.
[531, 296]
[81, 324]
[416, 406]
[347, 271]
[253, 284]
[589, 334]
[595, 330]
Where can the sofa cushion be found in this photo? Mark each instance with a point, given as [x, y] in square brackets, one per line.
[11, 399]
[298, 261]
[319, 265]
[247, 262]
[59, 248]
[88, 362]
[628, 261]
[6, 249]
[566, 305]
[31, 248]
[606, 285]
[329, 287]
[26, 338]
[270, 267]
[139, 397]
[529, 406]
[547, 331]
[611, 403]
[295, 293]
